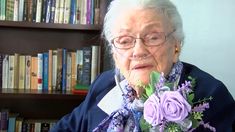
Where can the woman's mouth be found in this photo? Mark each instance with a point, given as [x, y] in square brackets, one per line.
[141, 67]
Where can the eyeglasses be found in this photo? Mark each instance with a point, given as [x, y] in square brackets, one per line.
[151, 39]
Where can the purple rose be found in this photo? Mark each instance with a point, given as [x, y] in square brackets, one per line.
[174, 107]
[152, 111]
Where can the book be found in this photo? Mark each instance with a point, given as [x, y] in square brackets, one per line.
[69, 71]
[86, 69]
[12, 121]
[28, 63]
[40, 71]
[4, 119]
[38, 11]
[2, 56]
[21, 72]
[59, 70]
[50, 65]
[64, 68]
[73, 70]
[3, 10]
[11, 72]
[95, 61]
[45, 71]
[21, 10]
[79, 66]
[34, 73]
[5, 72]
[54, 68]
[16, 71]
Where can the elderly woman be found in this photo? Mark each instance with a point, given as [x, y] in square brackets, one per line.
[145, 39]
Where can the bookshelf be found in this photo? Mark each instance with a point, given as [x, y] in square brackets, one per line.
[30, 38]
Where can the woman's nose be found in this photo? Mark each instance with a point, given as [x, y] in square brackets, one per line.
[139, 50]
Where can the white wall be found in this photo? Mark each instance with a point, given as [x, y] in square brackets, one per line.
[209, 27]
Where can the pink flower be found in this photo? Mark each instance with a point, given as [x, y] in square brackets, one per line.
[174, 107]
[152, 111]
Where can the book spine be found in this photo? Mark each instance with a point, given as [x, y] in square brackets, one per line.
[25, 10]
[16, 71]
[66, 11]
[34, 10]
[64, 69]
[79, 66]
[44, 10]
[28, 62]
[48, 11]
[21, 10]
[97, 12]
[86, 69]
[5, 72]
[10, 10]
[61, 14]
[59, 70]
[30, 11]
[40, 71]
[2, 56]
[72, 18]
[16, 10]
[54, 69]
[3, 10]
[69, 71]
[45, 71]
[52, 16]
[94, 62]
[34, 73]
[57, 11]
[74, 70]
[11, 72]
[39, 11]
[21, 72]
[50, 64]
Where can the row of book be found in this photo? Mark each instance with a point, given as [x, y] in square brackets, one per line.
[51, 11]
[59, 69]
[12, 122]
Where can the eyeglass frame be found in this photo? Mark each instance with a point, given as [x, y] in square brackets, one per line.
[143, 40]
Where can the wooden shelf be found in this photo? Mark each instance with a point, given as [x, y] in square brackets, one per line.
[23, 24]
[34, 104]
[39, 94]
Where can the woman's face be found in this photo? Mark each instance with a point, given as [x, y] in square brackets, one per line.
[137, 63]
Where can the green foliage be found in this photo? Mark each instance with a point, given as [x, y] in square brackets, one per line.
[195, 123]
[144, 125]
[154, 79]
[193, 81]
[150, 88]
[190, 98]
[197, 115]
[173, 127]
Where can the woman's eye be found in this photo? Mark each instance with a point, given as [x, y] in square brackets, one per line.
[125, 40]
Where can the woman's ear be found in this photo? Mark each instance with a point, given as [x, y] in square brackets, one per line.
[177, 51]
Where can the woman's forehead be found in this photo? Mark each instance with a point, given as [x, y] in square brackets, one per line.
[139, 20]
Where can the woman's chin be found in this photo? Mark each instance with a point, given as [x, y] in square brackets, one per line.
[137, 78]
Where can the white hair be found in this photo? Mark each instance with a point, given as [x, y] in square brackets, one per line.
[165, 6]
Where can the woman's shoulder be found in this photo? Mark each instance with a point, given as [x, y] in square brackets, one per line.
[103, 83]
[202, 77]
[206, 84]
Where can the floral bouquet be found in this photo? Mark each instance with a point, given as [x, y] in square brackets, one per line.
[170, 108]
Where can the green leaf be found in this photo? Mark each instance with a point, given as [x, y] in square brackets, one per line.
[197, 115]
[154, 78]
[144, 125]
[170, 85]
[193, 81]
[195, 123]
[190, 98]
